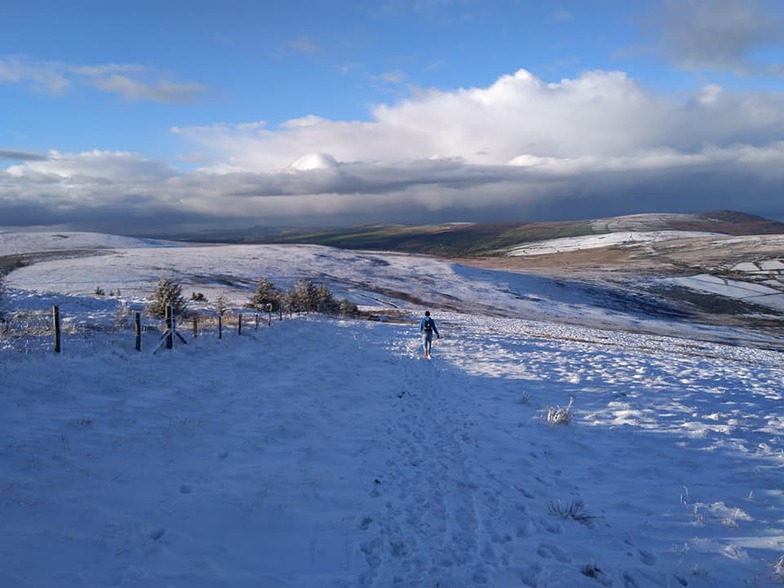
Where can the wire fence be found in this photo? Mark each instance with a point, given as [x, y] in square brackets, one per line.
[49, 330]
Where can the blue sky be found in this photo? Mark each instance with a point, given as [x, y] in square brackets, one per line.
[114, 115]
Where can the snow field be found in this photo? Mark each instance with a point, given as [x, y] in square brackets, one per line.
[319, 452]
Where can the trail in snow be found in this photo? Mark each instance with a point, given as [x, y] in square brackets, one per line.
[327, 453]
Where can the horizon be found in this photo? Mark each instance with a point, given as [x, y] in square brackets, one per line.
[158, 119]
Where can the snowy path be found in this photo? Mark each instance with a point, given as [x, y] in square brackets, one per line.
[321, 453]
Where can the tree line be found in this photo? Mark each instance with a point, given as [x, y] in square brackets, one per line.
[306, 296]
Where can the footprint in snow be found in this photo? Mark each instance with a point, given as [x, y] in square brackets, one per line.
[156, 534]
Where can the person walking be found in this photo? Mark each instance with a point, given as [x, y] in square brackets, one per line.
[427, 326]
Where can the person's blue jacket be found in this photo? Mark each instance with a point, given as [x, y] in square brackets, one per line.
[424, 321]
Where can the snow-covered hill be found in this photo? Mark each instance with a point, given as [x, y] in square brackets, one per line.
[370, 279]
[322, 452]
[12, 243]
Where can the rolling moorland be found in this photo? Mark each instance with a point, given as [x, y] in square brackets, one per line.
[720, 268]
[633, 270]
[575, 428]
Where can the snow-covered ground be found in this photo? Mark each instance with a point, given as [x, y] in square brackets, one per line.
[323, 452]
[759, 294]
[624, 238]
[12, 243]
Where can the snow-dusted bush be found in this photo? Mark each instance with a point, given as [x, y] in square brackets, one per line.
[575, 510]
[559, 415]
[347, 308]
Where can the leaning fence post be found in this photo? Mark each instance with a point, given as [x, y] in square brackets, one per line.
[138, 323]
[56, 322]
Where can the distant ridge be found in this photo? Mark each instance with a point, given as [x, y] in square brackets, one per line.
[490, 239]
[735, 223]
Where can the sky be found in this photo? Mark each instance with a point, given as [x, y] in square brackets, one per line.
[161, 117]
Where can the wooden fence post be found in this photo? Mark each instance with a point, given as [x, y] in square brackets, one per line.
[195, 326]
[56, 321]
[169, 330]
[138, 323]
[239, 326]
[220, 326]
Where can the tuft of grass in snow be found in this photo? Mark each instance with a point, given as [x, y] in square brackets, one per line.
[592, 571]
[778, 569]
[575, 510]
[559, 415]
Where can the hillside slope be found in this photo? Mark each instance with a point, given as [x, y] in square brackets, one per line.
[492, 239]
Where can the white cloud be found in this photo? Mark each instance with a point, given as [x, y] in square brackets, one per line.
[43, 78]
[596, 145]
[599, 114]
[162, 91]
[132, 81]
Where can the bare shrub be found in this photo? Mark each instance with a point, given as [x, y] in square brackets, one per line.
[559, 415]
[575, 511]
[123, 317]
[778, 569]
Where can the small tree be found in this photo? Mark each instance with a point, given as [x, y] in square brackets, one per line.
[167, 293]
[304, 297]
[266, 293]
[324, 301]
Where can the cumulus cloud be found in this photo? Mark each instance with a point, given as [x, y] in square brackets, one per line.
[720, 35]
[521, 148]
[131, 81]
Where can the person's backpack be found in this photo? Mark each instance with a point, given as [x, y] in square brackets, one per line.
[427, 327]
